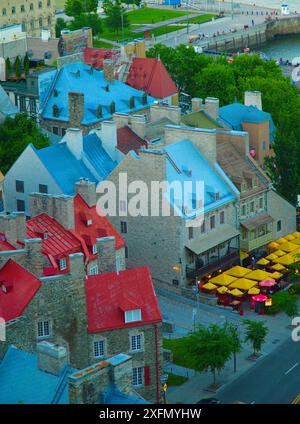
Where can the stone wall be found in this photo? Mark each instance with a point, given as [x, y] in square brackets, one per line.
[59, 207]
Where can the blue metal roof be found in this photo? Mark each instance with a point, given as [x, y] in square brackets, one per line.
[7, 108]
[77, 77]
[186, 164]
[66, 169]
[237, 113]
[23, 382]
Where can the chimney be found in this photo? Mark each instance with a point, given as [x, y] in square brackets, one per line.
[13, 226]
[109, 138]
[77, 269]
[59, 207]
[108, 70]
[212, 107]
[253, 98]
[76, 109]
[74, 140]
[52, 358]
[87, 190]
[138, 124]
[106, 254]
[34, 256]
[196, 104]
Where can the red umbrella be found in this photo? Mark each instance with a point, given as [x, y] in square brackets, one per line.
[260, 298]
[267, 283]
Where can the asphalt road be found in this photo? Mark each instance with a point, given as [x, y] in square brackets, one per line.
[274, 380]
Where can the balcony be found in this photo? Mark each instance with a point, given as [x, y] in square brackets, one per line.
[233, 258]
[249, 245]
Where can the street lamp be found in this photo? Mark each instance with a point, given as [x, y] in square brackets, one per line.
[163, 380]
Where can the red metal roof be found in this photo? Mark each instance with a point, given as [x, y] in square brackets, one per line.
[95, 56]
[4, 244]
[150, 75]
[109, 295]
[21, 287]
[128, 140]
[100, 227]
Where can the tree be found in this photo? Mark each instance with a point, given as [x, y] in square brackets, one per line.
[236, 342]
[15, 134]
[210, 348]
[74, 7]
[284, 301]
[116, 16]
[91, 20]
[17, 67]
[8, 66]
[26, 64]
[59, 26]
[256, 332]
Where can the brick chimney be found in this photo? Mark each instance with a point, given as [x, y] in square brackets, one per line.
[76, 109]
[108, 70]
[212, 107]
[13, 226]
[106, 254]
[87, 190]
[196, 104]
[34, 256]
[253, 98]
[52, 358]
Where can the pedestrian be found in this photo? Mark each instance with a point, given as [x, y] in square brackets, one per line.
[252, 22]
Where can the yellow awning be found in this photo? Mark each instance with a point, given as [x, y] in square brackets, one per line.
[278, 267]
[271, 257]
[273, 245]
[263, 261]
[243, 284]
[258, 275]
[236, 293]
[237, 271]
[279, 253]
[289, 237]
[253, 291]
[281, 240]
[296, 234]
[209, 286]
[296, 241]
[288, 246]
[275, 275]
[286, 260]
[222, 290]
[243, 255]
[222, 279]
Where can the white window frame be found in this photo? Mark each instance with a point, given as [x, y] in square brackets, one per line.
[43, 329]
[133, 316]
[63, 264]
[136, 343]
[138, 377]
[99, 346]
[94, 249]
[93, 270]
[89, 222]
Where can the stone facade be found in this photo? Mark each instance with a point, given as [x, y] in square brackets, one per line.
[34, 15]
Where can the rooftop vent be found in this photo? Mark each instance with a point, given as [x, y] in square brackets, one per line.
[187, 171]
[6, 286]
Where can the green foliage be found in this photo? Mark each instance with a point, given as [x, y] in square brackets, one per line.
[15, 134]
[256, 333]
[176, 380]
[74, 7]
[59, 26]
[91, 20]
[203, 75]
[116, 16]
[17, 67]
[210, 348]
[284, 301]
[26, 64]
[8, 66]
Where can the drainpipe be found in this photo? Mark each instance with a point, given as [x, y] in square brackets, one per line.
[156, 359]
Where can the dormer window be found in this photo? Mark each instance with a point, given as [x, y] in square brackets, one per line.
[133, 316]
[55, 111]
[5, 286]
[89, 222]
[94, 249]
[63, 264]
[217, 196]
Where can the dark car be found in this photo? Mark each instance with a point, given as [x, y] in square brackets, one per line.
[211, 401]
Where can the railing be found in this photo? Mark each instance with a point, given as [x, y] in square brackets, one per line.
[249, 245]
[232, 258]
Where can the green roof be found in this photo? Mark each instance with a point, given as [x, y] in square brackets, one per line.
[199, 120]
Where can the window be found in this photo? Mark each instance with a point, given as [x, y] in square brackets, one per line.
[22, 104]
[4, 12]
[43, 329]
[136, 342]
[63, 131]
[252, 207]
[261, 203]
[49, 20]
[40, 22]
[19, 186]
[99, 349]
[137, 377]
[94, 249]
[243, 210]
[222, 217]
[175, 283]
[89, 222]
[279, 225]
[93, 270]
[32, 104]
[31, 6]
[20, 205]
[43, 188]
[55, 130]
[126, 252]
[263, 144]
[132, 316]
[32, 24]
[40, 4]
[62, 264]
[203, 226]
[48, 3]
[118, 263]
[123, 227]
[212, 222]
[13, 10]
[191, 232]
[22, 8]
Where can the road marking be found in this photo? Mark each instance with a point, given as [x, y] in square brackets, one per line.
[296, 400]
[291, 369]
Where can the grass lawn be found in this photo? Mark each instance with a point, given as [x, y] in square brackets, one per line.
[148, 15]
[201, 19]
[102, 44]
[176, 380]
[179, 348]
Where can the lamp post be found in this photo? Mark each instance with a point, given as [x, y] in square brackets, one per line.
[163, 380]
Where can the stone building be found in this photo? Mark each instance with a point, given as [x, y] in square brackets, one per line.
[34, 15]
[63, 310]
